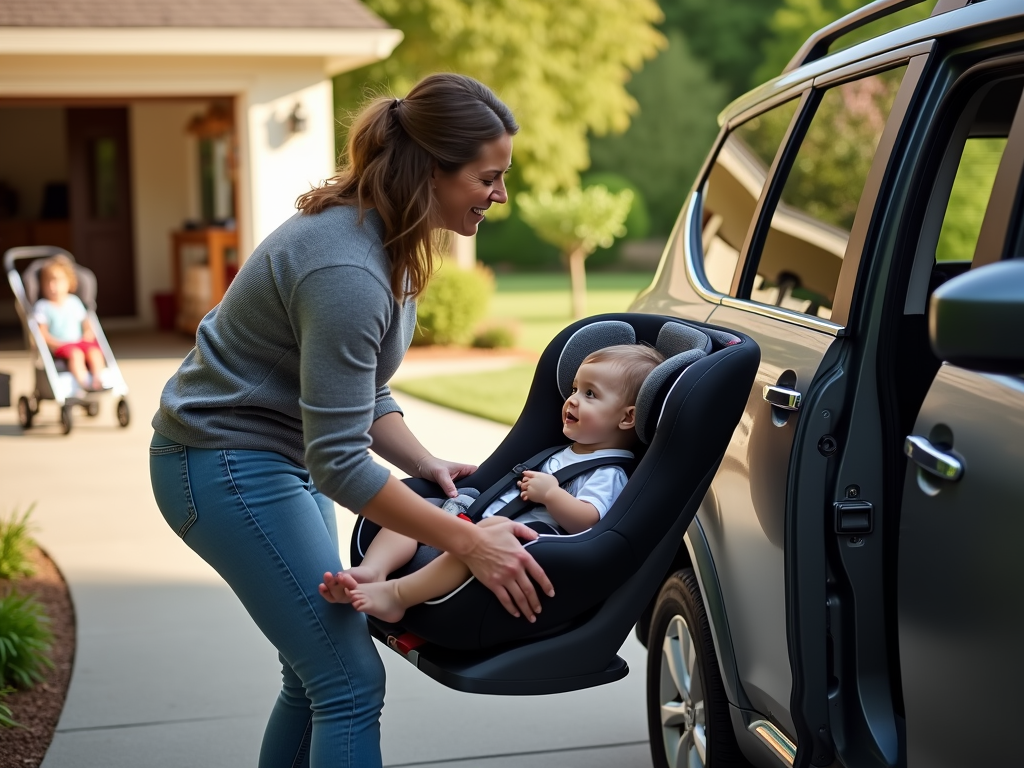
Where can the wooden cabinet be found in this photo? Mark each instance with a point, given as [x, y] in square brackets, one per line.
[204, 262]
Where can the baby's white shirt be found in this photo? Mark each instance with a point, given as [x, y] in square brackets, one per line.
[599, 486]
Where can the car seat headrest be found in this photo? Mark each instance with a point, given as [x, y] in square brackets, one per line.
[674, 338]
[588, 339]
[722, 338]
[654, 391]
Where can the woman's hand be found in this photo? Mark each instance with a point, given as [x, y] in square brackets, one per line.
[444, 473]
[500, 563]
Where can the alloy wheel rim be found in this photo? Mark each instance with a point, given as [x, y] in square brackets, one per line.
[681, 699]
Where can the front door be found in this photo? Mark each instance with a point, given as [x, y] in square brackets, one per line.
[100, 204]
[961, 573]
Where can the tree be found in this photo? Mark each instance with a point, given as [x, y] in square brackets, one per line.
[726, 35]
[577, 221]
[669, 138]
[797, 20]
[561, 67]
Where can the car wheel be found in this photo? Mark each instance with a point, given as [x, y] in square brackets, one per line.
[65, 419]
[92, 409]
[687, 710]
[25, 412]
[123, 414]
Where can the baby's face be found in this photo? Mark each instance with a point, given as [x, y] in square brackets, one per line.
[593, 414]
[54, 285]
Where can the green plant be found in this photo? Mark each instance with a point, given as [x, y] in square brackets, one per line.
[454, 302]
[6, 716]
[24, 640]
[578, 221]
[15, 545]
[495, 337]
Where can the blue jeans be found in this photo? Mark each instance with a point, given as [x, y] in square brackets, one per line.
[257, 519]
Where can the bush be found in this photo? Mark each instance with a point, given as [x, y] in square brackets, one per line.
[453, 304]
[15, 546]
[495, 337]
[24, 640]
[6, 716]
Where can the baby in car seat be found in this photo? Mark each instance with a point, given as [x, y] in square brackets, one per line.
[599, 416]
[64, 323]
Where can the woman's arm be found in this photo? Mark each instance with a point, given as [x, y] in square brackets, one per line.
[493, 553]
[393, 441]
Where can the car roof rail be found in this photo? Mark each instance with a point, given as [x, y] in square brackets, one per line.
[817, 45]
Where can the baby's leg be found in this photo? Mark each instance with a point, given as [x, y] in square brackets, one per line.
[97, 364]
[76, 366]
[387, 552]
[388, 600]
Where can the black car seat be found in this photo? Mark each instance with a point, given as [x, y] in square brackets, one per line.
[604, 577]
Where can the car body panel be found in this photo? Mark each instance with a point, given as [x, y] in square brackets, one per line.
[960, 576]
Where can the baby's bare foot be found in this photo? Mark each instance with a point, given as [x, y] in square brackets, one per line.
[334, 587]
[379, 599]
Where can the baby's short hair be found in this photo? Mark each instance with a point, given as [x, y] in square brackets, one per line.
[60, 263]
[634, 363]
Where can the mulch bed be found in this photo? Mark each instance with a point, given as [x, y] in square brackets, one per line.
[38, 709]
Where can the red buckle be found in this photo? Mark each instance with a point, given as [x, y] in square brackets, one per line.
[465, 517]
[405, 643]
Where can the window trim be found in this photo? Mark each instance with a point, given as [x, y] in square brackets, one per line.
[916, 57]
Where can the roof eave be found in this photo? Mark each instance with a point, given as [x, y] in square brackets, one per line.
[341, 48]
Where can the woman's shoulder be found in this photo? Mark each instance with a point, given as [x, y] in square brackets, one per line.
[333, 237]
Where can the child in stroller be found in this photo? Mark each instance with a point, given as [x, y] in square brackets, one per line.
[599, 416]
[64, 323]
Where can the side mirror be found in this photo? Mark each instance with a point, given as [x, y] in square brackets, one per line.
[975, 320]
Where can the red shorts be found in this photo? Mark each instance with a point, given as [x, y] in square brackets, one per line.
[64, 350]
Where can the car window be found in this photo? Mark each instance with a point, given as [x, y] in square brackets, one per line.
[803, 252]
[734, 186]
[968, 199]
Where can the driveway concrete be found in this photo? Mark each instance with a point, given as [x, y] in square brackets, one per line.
[170, 671]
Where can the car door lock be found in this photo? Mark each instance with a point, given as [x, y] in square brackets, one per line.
[854, 516]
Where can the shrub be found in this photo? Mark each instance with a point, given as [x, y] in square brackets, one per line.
[24, 640]
[6, 716]
[16, 545]
[453, 304]
[495, 337]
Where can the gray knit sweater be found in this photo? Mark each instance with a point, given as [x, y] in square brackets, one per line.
[297, 356]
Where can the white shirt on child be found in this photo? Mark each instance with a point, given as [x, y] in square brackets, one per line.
[600, 486]
[64, 320]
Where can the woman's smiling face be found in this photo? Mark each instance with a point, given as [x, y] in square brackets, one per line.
[464, 195]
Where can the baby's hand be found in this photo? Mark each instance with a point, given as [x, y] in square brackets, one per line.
[535, 486]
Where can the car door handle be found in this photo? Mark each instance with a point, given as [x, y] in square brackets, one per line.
[781, 397]
[931, 459]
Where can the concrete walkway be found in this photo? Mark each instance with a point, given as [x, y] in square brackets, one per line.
[171, 672]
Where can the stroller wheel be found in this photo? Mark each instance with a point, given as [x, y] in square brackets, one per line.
[25, 412]
[65, 418]
[92, 409]
[123, 414]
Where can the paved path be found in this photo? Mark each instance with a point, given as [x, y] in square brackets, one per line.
[171, 672]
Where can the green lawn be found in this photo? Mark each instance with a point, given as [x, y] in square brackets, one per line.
[538, 305]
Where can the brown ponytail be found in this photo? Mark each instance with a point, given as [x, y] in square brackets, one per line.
[394, 146]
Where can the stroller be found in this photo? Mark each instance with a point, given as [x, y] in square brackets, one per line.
[53, 381]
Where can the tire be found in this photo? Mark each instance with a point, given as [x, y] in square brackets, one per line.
[124, 416]
[65, 419]
[687, 709]
[92, 409]
[25, 413]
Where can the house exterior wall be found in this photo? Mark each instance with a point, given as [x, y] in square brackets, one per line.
[275, 166]
[164, 193]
